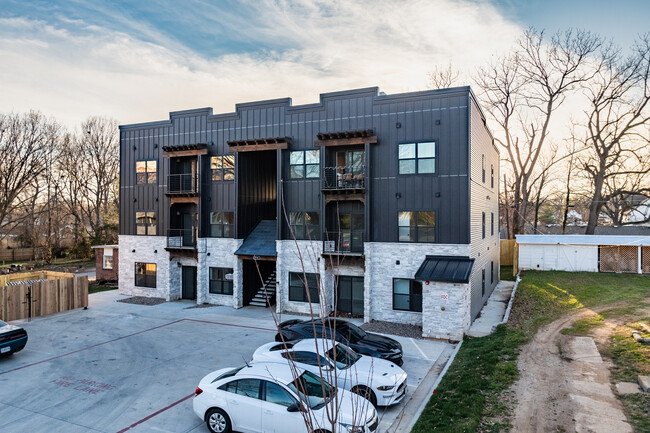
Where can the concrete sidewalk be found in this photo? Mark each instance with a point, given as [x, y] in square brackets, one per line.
[493, 311]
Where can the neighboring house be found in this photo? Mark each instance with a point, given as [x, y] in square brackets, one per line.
[393, 200]
[591, 253]
[641, 214]
[106, 262]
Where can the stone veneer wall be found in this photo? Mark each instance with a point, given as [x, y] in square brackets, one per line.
[452, 321]
[148, 249]
[289, 260]
[221, 256]
[382, 267]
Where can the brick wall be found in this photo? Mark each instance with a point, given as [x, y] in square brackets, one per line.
[106, 274]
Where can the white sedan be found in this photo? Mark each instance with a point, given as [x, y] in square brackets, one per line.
[380, 381]
[274, 397]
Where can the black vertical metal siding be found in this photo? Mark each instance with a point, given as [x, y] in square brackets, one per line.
[340, 111]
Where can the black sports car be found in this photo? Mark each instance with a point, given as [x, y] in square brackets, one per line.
[12, 338]
[362, 342]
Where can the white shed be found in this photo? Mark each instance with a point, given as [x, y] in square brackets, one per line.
[591, 253]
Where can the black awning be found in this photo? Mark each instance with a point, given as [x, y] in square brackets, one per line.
[261, 241]
[448, 269]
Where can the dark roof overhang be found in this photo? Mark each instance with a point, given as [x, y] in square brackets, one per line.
[185, 150]
[259, 144]
[448, 269]
[346, 138]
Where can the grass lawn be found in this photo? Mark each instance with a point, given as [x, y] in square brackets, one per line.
[472, 396]
[95, 288]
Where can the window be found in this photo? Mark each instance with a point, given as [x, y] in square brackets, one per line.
[492, 224]
[274, 393]
[222, 224]
[483, 282]
[246, 387]
[483, 168]
[483, 222]
[304, 164]
[145, 274]
[145, 172]
[417, 226]
[305, 225]
[223, 167]
[297, 290]
[221, 281]
[491, 176]
[492, 272]
[145, 223]
[407, 295]
[108, 258]
[417, 158]
[309, 358]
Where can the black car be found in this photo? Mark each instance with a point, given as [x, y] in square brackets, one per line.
[362, 342]
[12, 338]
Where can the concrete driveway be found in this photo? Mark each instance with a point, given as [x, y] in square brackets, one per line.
[119, 367]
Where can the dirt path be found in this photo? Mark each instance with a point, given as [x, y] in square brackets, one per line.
[564, 385]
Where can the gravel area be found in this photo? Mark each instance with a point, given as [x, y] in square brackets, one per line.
[411, 331]
[142, 300]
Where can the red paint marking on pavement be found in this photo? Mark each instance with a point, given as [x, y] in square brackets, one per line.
[231, 324]
[89, 347]
[147, 418]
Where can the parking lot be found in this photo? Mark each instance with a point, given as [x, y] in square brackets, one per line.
[120, 367]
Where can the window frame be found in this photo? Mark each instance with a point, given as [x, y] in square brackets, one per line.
[224, 227]
[491, 175]
[302, 231]
[417, 158]
[417, 227]
[147, 172]
[223, 170]
[491, 223]
[313, 290]
[148, 227]
[104, 257]
[147, 276]
[221, 282]
[483, 168]
[483, 228]
[411, 295]
[304, 164]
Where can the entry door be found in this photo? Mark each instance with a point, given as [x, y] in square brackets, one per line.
[350, 295]
[189, 282]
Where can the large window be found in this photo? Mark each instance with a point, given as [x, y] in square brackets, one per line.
[145, 223]
[145, 172]
[407, 295]
[492, 224]
[145, 274]
[483, 225]
[223, 167]
[491, 175]
[222, 224]
[305, 225]
[297, 290]
[304, 164]
[483, 169]
[417, 158]
[417, 226]
[221, 281]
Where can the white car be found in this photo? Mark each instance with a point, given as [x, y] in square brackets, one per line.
[380, 381]
[273, 397]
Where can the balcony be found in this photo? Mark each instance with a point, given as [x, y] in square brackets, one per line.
[182, 185]
[348, 178]
[344, 242]
[182, 238]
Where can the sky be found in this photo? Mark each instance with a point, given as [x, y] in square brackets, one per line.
[136, 61]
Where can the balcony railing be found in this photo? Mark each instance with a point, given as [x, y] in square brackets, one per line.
[182, 238]
[345, 177]
[344, 241]
[183, 183]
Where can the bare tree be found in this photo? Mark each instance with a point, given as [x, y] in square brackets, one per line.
[521, 92]
[23, 145]
[442, 78]
[617, 163]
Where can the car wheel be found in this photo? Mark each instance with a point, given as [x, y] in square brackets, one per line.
[366, 393]
[218, 421]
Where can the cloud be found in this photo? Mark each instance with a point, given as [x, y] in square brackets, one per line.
[73, 67]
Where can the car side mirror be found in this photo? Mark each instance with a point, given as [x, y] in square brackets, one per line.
[294, 407]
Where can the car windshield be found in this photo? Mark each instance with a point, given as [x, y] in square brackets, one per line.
[354, 331]
[315, 391]
[345, 357]
[229, 373]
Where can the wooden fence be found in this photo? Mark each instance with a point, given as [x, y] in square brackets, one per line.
[507, 251]
[21, 254]
[35, 275]
[41, 298]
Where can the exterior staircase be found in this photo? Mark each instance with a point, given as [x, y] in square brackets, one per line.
[266, 295]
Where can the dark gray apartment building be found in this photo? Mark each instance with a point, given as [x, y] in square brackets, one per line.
[374, 205]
